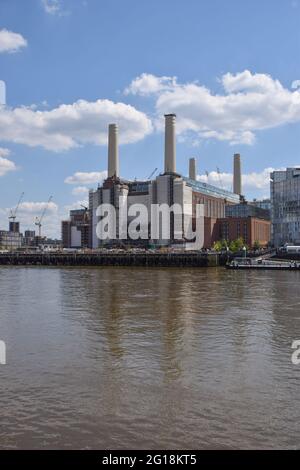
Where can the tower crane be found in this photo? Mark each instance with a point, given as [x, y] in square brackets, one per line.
[220, 178]
[86, 209]
[13, 212]
[153, 173]
[38, 220]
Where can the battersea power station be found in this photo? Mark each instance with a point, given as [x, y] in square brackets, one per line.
[169, 188]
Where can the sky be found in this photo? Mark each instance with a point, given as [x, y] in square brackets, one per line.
[229, 70]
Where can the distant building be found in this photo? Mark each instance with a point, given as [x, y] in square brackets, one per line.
[47, 244]
[76, 231]
[285, 206]
[10, 240]
[246, 209]
[263, 204]
[29, 238]
[251, 229]
[14, 227]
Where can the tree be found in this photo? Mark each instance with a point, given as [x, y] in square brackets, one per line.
[237, 245]
[220, 245]
[217, 246]
[256, 245]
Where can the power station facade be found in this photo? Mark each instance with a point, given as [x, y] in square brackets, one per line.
[168, 188]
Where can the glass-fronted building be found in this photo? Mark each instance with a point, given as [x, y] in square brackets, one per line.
[285, 206]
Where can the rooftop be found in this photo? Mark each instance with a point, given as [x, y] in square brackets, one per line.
[210, 190]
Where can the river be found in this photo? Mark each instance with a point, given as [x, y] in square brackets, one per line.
[129, 358]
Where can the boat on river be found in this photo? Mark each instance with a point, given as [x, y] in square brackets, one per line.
[261, 263]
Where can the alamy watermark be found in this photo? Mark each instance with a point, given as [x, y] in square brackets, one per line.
[158, 222]
[2, 93]
[2, 353]
[296, 353]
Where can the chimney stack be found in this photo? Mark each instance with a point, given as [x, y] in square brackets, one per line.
[170, 143]
[192, 169]
[113, 151]
[237, 174]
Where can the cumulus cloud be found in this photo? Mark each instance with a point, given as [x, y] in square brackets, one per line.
[80, 190]
[147, 84]
[37, 207]
[81, 177]
[10, 41]
[250, 181]
[76, 205]
[250, 103]
[2, 93]
[6, 165]
[71, 125]
[295, 84]
[4, 152]
[52, 7]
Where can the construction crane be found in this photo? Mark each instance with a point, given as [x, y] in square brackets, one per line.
[220, 178]
[13, 212]
[152, 174]
[38, 220]
[86, 209]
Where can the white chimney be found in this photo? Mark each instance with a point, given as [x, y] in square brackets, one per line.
[237, 174]
[113, 151]
[192, 169]
[170, 143]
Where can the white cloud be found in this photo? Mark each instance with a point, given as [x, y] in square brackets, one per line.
[147, 84]
[2, 93]
[37, 207]
[4, 152]
[75, 205]
[80, 190]
[10, 41]
[248, 82]
[71, 125]
[295, 84]
[52, 7]
[250, 181]
[81, 177]
[5, 164]
[250, 103]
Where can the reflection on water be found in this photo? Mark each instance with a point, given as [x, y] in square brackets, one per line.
[149, 358]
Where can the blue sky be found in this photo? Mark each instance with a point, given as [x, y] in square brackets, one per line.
[73, 66]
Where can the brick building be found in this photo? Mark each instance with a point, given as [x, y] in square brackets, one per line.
[76, 231]
[251, 229]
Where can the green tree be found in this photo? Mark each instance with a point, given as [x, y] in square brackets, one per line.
[256, 245]
[220, 245]
[217, 246]
[237, 245]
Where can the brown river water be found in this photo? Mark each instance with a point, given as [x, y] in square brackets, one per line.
[130, 358]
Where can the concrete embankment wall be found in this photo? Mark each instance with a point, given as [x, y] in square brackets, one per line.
[114, 259]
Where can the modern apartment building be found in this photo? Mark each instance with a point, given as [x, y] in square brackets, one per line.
[285, 206]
